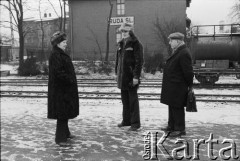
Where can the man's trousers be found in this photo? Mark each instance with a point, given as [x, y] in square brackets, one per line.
[176, 118]
[131, 114]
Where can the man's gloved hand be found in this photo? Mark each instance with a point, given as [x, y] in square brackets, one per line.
[135, 81]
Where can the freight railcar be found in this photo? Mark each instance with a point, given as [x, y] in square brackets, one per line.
[215, 51]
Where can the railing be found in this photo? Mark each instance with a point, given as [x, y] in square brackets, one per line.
[234, 31]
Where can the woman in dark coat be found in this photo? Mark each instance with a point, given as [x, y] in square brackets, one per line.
[177, 80]
[129, 61]
[63, 100]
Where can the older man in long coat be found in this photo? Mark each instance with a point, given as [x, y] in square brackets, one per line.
[177, 80]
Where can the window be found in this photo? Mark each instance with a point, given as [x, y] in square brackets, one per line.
[120, 7]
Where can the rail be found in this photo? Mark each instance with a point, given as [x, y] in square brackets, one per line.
[234, 31]
[153, 84]
[116, 96]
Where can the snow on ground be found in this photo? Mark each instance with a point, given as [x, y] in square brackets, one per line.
[6, 67]
[11, 68]
[88, 74]
[114, 89]
[219, 113]
[27, 134]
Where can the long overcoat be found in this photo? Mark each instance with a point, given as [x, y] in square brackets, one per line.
[129, 61]
[63, 100]
[177, 77]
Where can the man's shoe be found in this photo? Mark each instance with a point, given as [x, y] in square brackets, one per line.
[71, 136]
[177, 133]
[121, 125]
[167, 129]
[133, 128]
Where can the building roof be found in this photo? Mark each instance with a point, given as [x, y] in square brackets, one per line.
[43, 19]
[37, 19]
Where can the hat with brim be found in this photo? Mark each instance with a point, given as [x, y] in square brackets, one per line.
[126, 27]
[176, 35]
[58, 37]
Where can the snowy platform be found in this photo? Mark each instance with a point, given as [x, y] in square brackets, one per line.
[27, 135]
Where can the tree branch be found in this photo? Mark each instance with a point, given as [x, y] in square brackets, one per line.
[9, 9]
[9, 23]
[95, 38]
[53, 7]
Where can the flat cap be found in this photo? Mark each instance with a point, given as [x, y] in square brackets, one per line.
[176, 35]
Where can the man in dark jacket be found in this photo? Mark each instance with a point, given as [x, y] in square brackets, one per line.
[177, 80]
[63, 100]
[129, 61]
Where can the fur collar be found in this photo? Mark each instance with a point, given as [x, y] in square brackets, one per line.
[58, 50]
[129, 40]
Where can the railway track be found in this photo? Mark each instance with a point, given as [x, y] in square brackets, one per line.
[115, 96]
[89, 79]
[109, 83]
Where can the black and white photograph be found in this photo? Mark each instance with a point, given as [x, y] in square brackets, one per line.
[120, 80]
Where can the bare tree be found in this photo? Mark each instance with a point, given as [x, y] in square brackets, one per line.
[42, 32]
[95, 39]
[16, 10]
[108, 28]
[235, 12]
[104, 66]
[62, 17]
[163, 27]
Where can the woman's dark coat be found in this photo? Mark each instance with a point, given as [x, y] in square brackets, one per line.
[177, 77]
[129, 61]
[63, 100]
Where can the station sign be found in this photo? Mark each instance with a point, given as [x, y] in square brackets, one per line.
[120, 20]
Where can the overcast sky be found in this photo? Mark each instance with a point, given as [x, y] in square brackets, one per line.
[208, 12]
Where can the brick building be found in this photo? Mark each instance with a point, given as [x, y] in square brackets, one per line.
[88, 23]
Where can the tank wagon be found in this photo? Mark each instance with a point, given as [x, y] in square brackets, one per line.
[215, 51]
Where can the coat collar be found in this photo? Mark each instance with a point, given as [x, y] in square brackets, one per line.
[59, 50]
[177, 51]
[129, 40]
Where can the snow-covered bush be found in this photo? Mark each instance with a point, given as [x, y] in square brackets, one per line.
[29, 68]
